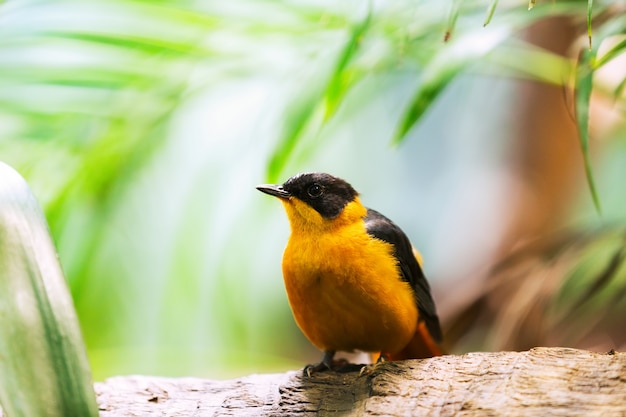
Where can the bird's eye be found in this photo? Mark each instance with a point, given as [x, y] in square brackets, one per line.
[315, 190]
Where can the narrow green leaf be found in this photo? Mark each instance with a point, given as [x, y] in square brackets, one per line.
[589, 7]
[139, 44]
[602, 279]
[584, 84]
[610, 54]
[459, 55]
[452, 17]
[443, 68]
[341, 79]
[490, 11]
[619, 89]
[43, 363]
[300, 114]
[524, 60]
[297, 116]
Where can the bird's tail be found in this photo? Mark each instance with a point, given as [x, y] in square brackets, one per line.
[420, 347]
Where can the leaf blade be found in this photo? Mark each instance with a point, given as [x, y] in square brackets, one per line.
[453, 15]
[490, 11]
[301, 114]
[46, 372]
[584, 85]
[446, 65]
[589, 9]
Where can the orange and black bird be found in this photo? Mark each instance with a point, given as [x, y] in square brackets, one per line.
[353, 279]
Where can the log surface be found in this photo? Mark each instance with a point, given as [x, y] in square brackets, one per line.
[538, 382]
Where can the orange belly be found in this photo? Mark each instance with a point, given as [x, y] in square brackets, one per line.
[346, 293]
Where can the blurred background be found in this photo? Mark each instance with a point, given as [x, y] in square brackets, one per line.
[144, 126]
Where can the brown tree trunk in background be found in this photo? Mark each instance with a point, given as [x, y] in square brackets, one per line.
[547, 166]
[547, 159]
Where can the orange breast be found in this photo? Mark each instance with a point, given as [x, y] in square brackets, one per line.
[345, 291]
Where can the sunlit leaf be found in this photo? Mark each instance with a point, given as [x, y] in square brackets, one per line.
[528, 61]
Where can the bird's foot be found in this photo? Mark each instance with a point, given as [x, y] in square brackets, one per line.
[327, 363]
[334, 365]
[368, 369]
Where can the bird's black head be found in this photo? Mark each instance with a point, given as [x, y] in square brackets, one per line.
[326, 194]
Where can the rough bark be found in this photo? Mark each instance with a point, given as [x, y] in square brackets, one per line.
[539, 382]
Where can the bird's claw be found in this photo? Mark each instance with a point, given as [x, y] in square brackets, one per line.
[368, 369]
[310, 369]
[324, 365]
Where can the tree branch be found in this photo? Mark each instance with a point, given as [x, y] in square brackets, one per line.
[539, 382]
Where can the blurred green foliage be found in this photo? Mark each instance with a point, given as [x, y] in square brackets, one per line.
[143, 127]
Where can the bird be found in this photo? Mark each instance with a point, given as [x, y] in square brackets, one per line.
[353, 279]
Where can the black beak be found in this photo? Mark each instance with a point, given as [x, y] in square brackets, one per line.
[275, 190]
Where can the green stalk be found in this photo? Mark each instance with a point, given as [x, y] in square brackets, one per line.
[43, 364]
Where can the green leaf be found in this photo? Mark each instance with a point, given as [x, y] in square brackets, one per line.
[490, 11]
[610, 54]
[301, 112]
[452, 17]
[443, 68]
[589, 7]
[619, 89]
[584, 84]
[43, 364]
[528, 61]
[459, 55]
[297, 116]
[341, 79]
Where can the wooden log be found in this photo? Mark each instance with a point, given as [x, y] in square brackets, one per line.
[538, 382]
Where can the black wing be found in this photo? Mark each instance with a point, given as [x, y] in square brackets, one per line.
[384, 229]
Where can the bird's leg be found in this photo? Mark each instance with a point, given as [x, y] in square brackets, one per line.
[368, 369]
[383, 357]
[326, 363]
